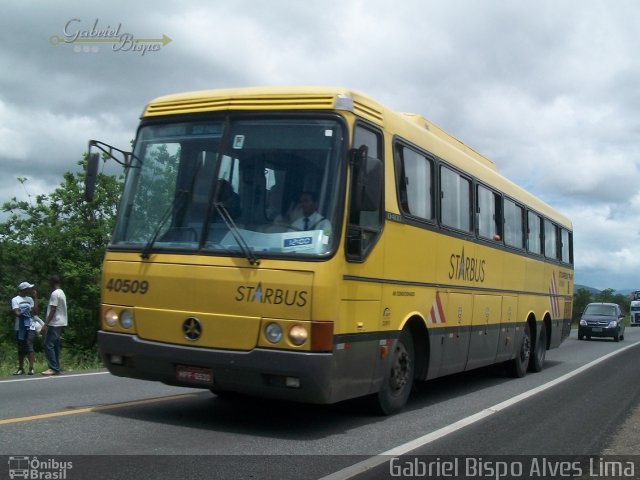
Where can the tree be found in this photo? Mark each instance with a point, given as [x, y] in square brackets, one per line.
[580, 300]
[61, 233]
[624, 301]
[605, 296]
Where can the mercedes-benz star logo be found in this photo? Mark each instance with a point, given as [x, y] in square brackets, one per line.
[192, 328]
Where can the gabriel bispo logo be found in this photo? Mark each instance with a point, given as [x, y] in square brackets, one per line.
[271, 296]
[88, 37]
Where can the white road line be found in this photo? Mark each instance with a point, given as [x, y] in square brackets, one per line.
[37, 376]
[381, 458]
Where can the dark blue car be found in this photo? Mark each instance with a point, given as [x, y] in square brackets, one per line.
[602, 320]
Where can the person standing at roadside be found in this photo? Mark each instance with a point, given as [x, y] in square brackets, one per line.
[24, 308]
[55, 321]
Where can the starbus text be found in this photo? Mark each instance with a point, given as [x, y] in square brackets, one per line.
[272, 296]
[465, 268]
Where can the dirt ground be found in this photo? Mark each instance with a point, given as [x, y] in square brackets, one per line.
[625, 441]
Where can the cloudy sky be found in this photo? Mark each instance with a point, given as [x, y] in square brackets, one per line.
[548, 89]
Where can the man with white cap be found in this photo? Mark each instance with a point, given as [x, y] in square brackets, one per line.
[24, 309]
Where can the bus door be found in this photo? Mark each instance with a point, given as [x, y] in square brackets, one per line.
[455, 337]
[358, 364]
[485, 330]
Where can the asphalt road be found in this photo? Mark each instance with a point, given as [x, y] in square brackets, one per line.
[126, 428]
[586, 419]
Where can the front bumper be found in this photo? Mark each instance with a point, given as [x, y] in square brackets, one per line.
[259, 372]
[601, 332]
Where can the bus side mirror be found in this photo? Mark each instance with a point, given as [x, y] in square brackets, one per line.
[91, 176]
[367, 181]
[372, 186]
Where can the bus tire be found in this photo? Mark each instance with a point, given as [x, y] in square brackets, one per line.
[536, 362]
[517, 366]
[397, 384]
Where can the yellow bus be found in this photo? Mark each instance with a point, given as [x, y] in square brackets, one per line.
[417, 258]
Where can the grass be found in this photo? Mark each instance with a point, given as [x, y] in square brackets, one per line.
[70, 359]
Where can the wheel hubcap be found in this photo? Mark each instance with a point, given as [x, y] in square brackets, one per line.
[526, 348]
[400, 370]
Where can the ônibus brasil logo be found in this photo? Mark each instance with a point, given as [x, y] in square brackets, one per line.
[34, 468]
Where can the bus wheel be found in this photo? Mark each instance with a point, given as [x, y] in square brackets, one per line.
[517, 367]
[395, 390]
[536, 362]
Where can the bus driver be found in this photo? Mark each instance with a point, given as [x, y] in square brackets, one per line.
[311, 219]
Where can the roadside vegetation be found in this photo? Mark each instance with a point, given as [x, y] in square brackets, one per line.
[58, 233]
[72, 360]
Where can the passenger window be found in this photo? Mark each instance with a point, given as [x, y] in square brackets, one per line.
[534, 231]
[489, 214]
[550, 240]
[566, 246]
[513, 224]
[415, 183]
[456, 200]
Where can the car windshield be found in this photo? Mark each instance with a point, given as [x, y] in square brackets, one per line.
[246, 186]
[605, 310]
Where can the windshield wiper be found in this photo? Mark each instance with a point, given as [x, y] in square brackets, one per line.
[178, 201]
[235, 232]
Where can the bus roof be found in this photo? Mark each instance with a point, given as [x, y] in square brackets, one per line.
[412, 127]
[263, 98]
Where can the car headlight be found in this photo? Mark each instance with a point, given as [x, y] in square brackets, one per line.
[613, 324]
[583, 323]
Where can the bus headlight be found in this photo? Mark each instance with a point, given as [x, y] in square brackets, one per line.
[111, 317]
[126, 319]
[273, 332]
[298, 335]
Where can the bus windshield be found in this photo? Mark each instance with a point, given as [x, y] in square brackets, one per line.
[235, 186]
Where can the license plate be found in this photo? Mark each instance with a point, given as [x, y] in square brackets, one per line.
[596, 329]
[194, 375]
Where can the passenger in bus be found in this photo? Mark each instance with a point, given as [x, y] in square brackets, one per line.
[311, 219]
